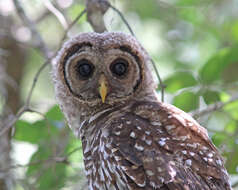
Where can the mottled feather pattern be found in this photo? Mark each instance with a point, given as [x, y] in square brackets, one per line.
[147, 154]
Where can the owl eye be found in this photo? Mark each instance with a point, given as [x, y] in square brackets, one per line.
[119, 67]
[84, 69]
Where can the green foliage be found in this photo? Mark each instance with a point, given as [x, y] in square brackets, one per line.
[55, 114]
[232, 109]
[192, 2]
[186, 101]
[146, 9]
[179, 80]
[192, 15]
[48, 169]
[232, 164]
[219, 138]
[221, 66]
[42, 129]
[31, 132]
[211, 96]
[52, 175]
[75, 10]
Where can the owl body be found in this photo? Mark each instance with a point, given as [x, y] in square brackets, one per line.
[130, 140]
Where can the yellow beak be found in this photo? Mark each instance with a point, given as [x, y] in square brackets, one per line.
[103, 88]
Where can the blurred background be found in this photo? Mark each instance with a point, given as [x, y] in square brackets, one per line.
[194, 45]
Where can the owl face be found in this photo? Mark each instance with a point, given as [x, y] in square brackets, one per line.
[103, 68]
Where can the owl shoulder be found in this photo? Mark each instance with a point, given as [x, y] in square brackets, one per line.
[170, 118]
[154, 137]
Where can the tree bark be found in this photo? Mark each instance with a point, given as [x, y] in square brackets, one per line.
[12, 62]
[95, 12]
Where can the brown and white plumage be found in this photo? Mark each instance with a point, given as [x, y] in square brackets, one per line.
[130, 140]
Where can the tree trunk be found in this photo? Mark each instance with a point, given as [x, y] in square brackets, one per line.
[12, 60]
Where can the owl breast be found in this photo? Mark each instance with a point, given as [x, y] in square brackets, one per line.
[149, 147]
[101, 168]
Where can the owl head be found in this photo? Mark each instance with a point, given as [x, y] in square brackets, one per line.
[102, 69]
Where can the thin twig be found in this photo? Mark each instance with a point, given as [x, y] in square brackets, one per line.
[44, 117]
[71, 25]
[13, 121]
[161, 84]
[73, 151]
[40, 44]
[235, 185]
[49, 59]
[34, 82]
[123, 18]
[25, 108]
[43, 48]
[57, 13]
[213, 107]
[39, 113]
[57, 159]
[42, 16]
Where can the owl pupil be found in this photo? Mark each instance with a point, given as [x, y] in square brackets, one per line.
[119, 67]
[84, 69]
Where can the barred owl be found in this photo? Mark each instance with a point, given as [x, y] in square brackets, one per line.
[130, 139]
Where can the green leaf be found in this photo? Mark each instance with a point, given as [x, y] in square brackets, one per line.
[231, 127]
[221, 139]
[192, 2]
[42, 129]
[234, 30]
[211, 96]
[232, 108]
[222, 66]
[192, 15]
[74, 144]
[146, 9]
[229, 73]
[218, 138]
[52, 174]
[178, 81]
[186, 101]
[212, 69]
[231, 153]
[75, 10]
[233, 164]
[30, 132]
[55, 114]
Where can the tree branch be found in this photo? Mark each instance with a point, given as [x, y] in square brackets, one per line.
[122, 17]
[235, 185]
[42, 16]
[95, 11]
[71, 25]
[56, 12]
[57, 159]
[40, 44]
[161, 84]
[213, 107]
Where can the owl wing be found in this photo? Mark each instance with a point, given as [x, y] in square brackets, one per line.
[158, 146]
